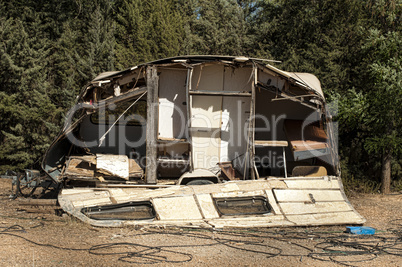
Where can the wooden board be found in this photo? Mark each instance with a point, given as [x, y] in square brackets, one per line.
[81, 167]
[134, 169]
[152, 124]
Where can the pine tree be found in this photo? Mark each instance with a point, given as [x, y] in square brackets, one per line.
[383, 63]
[370, 111]
[29, 117]
[215, 27]
[312, 36]
[147, 31]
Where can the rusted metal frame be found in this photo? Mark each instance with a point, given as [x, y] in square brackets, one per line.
[152, 125]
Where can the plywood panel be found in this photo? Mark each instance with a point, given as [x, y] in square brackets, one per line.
[318, 207]
[177, 208]
[152, 125]
[291, 195]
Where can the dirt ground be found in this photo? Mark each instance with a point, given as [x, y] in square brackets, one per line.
[36, 236]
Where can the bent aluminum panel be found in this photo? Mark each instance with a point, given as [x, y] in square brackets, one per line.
[317, 201]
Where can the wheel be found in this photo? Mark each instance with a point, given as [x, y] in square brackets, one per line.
[199, 182]
[23, 188]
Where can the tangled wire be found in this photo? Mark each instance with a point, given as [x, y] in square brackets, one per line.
[341, 248]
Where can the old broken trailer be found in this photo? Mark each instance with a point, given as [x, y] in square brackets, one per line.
[207, 141]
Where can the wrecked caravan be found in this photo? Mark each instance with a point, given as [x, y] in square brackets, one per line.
[208, 141]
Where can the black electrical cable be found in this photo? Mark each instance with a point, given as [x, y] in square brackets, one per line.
[147, 254]
[360, 246]
[333, 246]
[226, 242]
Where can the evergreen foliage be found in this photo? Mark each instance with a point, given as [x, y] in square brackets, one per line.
[147, 30]
[51, 49]
[214, 27]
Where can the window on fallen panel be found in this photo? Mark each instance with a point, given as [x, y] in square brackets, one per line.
[142, 210]
[242, 205]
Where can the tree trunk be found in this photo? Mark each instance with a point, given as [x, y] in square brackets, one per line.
[386, 172]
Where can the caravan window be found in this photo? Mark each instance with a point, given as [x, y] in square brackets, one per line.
[135, 116]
